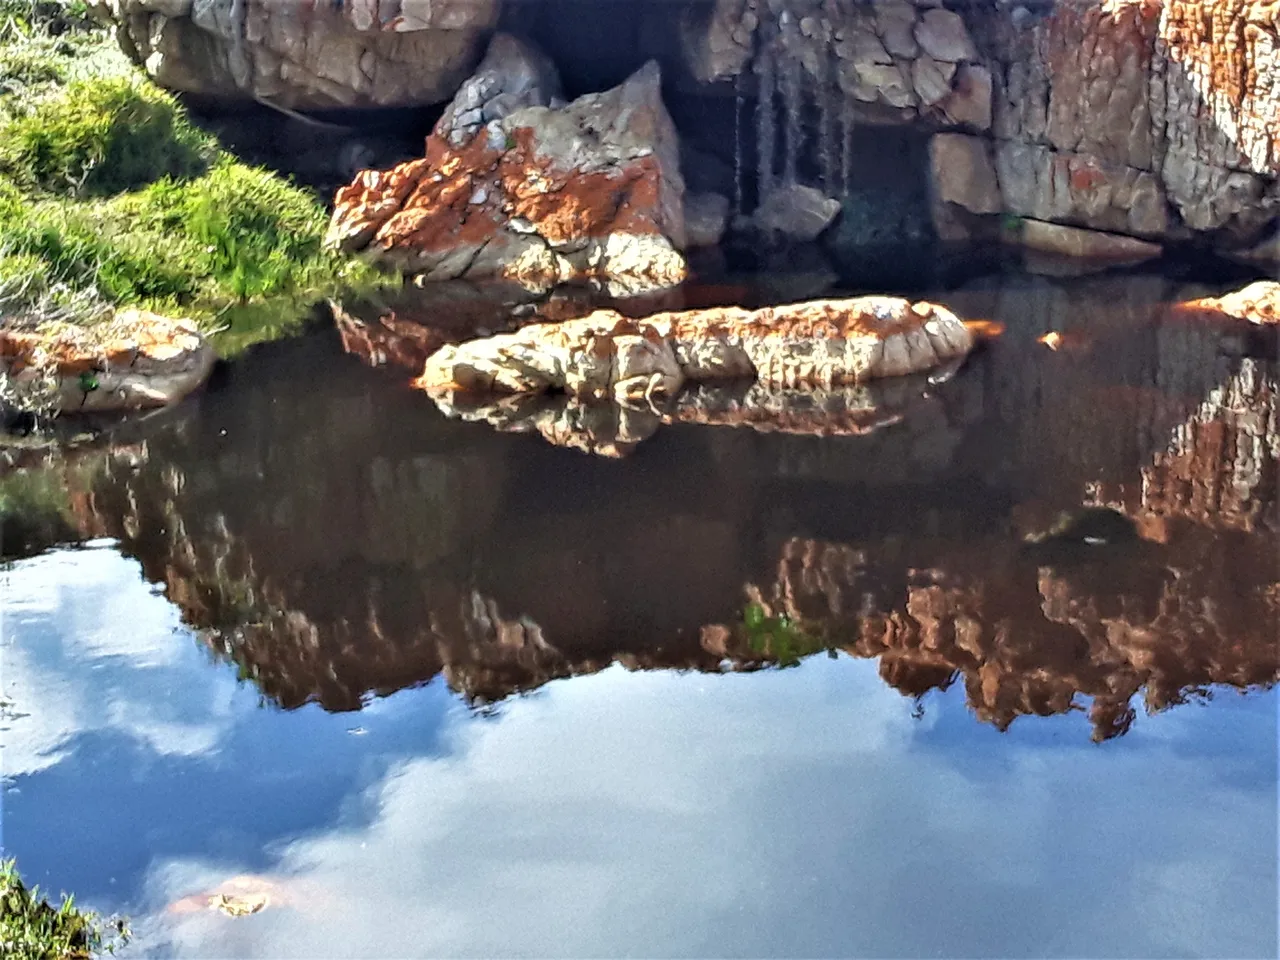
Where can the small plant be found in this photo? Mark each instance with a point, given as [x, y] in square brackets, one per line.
[31, 928]
[778, 637]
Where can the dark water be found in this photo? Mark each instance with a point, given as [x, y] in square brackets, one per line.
[995, 679]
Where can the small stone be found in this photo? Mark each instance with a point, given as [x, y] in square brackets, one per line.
[943, 36]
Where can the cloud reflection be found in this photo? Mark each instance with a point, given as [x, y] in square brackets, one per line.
[798, 812]
[88, 645]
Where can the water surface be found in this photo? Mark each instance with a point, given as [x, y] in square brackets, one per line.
[995, 679]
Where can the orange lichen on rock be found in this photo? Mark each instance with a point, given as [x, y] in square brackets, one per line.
[590, 191]
[1257, 303]
[820, 344]
[136, 360]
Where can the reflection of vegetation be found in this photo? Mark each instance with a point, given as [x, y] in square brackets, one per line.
[31, 928]
[778, 637]
[35, 510]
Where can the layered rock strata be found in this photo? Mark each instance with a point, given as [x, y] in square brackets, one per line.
[825, 343]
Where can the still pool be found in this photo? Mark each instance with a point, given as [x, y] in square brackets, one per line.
[994, 679]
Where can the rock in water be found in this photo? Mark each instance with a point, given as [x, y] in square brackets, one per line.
[825, 343]
[540, 196]
[137, 360]
[1257, 303]
[796, 212]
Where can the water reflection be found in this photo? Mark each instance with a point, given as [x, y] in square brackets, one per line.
[1068, 535]
[338, 539]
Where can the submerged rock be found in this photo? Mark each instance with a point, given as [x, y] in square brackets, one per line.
[136, 360]
[825, 343]
[541, 196]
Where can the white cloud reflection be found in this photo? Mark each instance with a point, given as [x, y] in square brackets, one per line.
[800, 812]
[87, 645]
[794, 813]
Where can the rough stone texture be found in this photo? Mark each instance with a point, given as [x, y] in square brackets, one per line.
[962, 172]
[1084, 244]
[796, 212]
[589, 191]
[305, 54]
[891, 60]
[1258, 303]
[137, 360]
[819, 344]
[1145, 117]
[512, 75]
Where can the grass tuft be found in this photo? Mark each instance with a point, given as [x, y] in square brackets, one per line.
[96, 138]
[31, 928]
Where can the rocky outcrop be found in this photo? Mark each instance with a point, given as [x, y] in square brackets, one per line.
[540, 196]
[306, 54]
[820, 344]
[1258, 303]
[1151, 118]
[135, 361]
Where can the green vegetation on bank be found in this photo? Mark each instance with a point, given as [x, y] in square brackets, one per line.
[111, 195]
[31, 928]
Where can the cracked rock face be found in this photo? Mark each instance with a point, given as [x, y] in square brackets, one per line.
[307, 54]
[1152, 118]
[825, 343]
[541, 196]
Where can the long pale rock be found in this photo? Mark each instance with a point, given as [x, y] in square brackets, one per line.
[825, 343]
[137, 360]
[1257, 303]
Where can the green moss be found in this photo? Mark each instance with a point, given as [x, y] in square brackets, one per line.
[110, 195]
[31, 928]
[102, 137]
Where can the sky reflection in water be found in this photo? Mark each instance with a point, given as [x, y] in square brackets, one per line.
[349, 546]
[792, 812]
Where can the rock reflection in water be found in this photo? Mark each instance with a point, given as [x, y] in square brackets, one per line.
[614, 430]
[353, 542]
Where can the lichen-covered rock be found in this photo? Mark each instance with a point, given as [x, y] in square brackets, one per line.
[1152, 118]
[136, 360]
[1257, 303]
[306, 54]
[825, 343]
[542, 196]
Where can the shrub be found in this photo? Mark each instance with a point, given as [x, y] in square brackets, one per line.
[102, 137]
